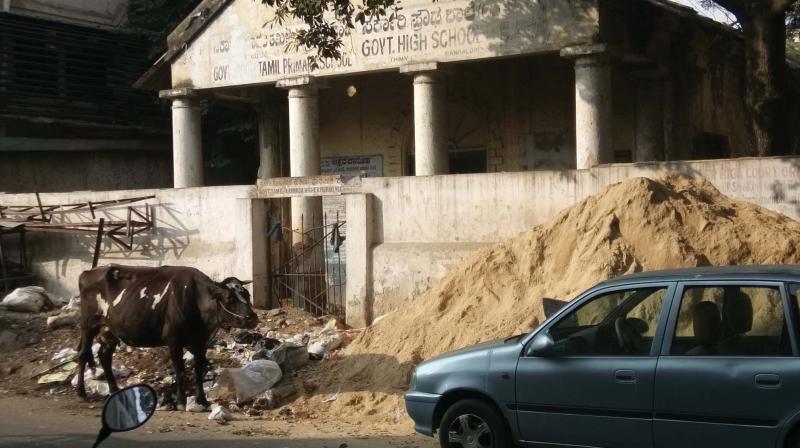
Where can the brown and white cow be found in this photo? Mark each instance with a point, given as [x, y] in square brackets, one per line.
[179, 307]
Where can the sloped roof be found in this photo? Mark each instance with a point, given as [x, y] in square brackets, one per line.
[158, 75]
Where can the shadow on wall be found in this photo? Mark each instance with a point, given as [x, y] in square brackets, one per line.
[788, 191]
[166, 242]
[514, 26]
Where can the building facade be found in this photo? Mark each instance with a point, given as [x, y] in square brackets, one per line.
[463, 86]
[70, 118]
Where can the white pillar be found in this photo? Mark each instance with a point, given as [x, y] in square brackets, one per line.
[592, 105]
[269, 160]
[430, 125]
[187, 143]
[430, 119]
[304, 152]
[649, 121]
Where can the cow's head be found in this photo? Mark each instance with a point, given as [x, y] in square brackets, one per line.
[234, 302]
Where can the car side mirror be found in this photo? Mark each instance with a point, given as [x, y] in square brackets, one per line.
[542, 345]
[126, 410]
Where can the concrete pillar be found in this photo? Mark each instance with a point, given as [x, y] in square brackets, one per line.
[430, 120]
[649, 121]
[303, 149]
[268, 152]
[360, 238]
[592, 105]
[187, 138]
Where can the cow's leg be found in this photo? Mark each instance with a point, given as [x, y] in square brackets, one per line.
[200, 365]
[176, 354]
[106, 355]
[89, 330]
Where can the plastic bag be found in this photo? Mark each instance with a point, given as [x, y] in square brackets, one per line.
[246, 383]
[220, 414]
[271, 349]
[326, 341]
[29, 299]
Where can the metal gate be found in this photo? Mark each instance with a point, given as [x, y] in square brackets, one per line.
[314, 276]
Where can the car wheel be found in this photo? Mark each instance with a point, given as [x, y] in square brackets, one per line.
[472, 424]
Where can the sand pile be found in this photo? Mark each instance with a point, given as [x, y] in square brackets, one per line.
[639, 224]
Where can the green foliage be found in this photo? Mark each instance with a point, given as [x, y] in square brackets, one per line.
[328, 21]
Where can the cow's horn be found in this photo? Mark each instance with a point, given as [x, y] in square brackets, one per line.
[247, 282]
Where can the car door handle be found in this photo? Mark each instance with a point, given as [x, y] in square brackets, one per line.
[768, 380]
[625, 376]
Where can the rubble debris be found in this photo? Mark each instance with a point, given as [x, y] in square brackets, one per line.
[265, 400]
[30, 299]
[74, 304]
[243, 384]
[275, 312]
[65, 354]
[65, 319]
[10, 341]
[247, 337]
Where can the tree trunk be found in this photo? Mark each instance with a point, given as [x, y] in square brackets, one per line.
[765, 89]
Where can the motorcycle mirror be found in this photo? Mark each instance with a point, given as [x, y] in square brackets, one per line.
[126, 410]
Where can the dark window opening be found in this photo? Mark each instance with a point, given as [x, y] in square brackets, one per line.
[708, 145]
[461, 162]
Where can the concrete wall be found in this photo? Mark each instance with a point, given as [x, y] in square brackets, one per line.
[218, 230]
[424, 225]
[61, 171]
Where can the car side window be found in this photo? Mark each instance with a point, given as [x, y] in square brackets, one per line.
[614, 324]
[731, 321]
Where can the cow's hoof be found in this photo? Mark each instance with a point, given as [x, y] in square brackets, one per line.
[83, 397]
[181, 407]
[166, 407]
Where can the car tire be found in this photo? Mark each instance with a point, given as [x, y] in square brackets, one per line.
[473, 423]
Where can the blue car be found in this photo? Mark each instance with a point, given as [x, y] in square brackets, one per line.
[686, 358]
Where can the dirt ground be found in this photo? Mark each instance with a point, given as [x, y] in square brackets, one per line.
[30, 421]
[31, 352]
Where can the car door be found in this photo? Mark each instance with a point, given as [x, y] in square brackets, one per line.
[728, 374]
[591, 390]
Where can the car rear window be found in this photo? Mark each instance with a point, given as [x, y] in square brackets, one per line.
[731, 321]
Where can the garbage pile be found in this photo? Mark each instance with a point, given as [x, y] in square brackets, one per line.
[251, 371]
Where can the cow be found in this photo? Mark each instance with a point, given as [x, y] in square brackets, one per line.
[177, 307]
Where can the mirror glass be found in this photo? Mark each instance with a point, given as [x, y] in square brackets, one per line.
[129, 408]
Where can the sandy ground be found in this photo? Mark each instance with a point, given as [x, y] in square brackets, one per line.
[65, 423]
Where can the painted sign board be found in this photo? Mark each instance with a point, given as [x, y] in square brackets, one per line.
[245, 46]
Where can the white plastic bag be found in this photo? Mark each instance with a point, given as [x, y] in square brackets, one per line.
[246, 383]
[220, 414]
[325, 342]
[29, 299]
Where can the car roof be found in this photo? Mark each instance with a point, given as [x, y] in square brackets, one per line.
[756, 272]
